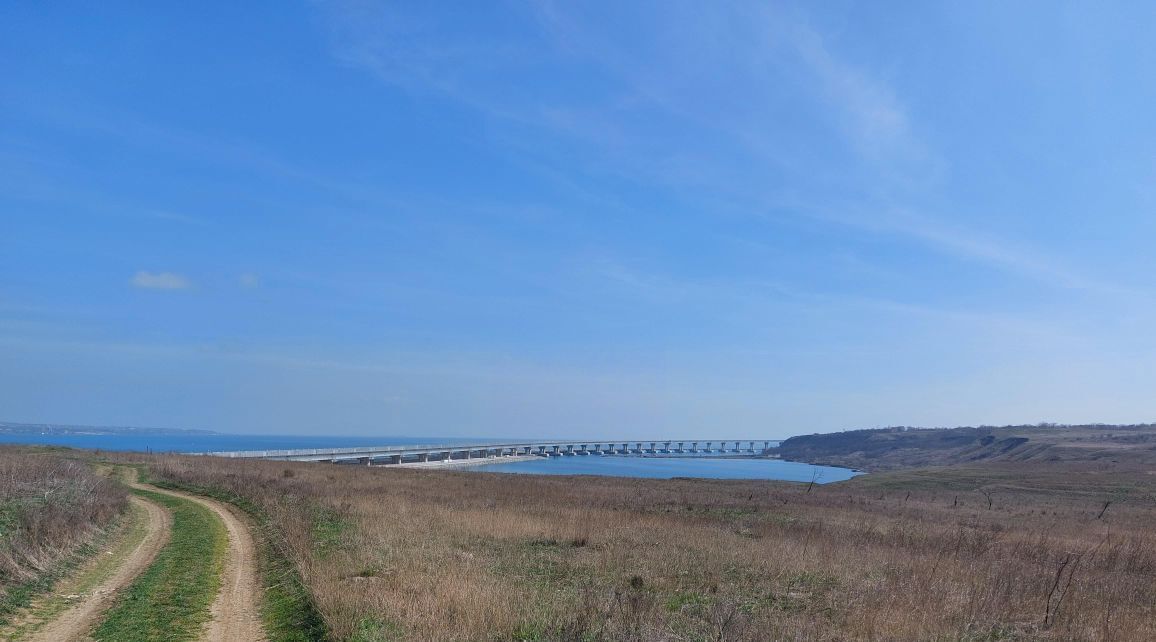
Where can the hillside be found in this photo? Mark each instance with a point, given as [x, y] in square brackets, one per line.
[893, 448]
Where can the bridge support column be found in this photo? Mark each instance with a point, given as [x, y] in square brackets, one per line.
[364, 460]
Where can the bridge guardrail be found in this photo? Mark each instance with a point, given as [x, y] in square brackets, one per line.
[417, 448]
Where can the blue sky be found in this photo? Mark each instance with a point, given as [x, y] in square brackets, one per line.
[576, 218]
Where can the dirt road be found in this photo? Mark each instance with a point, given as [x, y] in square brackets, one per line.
[236, 613]
[79, 602]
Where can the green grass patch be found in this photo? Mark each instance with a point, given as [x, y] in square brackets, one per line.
[171, 599]
[376, 630]
[686, 599]
[329, 530]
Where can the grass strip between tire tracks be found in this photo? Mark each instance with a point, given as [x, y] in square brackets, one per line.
[171, 599]
[287, 608]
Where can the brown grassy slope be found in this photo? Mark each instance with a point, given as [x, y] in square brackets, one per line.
[896, 448]
[50, 506]
[435, 555]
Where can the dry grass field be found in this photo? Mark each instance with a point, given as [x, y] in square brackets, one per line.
[999, 551]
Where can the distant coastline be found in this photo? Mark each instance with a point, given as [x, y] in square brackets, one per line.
[12, 428]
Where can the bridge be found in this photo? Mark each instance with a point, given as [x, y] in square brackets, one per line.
[400, 454]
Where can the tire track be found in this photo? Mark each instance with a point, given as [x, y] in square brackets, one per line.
[77, 621]
[236, 615]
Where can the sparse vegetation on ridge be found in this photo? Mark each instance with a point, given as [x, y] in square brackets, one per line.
[902, 447]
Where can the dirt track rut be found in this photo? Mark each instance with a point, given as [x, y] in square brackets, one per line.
[78, 620]
[236, 615]
[235, 611]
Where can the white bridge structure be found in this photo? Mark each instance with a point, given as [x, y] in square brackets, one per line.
[399, 454]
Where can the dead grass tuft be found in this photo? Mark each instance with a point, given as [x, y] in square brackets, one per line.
[50, 506]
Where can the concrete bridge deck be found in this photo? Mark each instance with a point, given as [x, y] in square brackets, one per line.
[398, 454]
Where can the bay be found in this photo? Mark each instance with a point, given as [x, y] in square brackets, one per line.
[620, 466]
[671, 467]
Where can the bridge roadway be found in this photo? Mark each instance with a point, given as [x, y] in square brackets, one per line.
[444, 452]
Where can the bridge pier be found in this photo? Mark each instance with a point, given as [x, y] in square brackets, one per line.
[401, 454]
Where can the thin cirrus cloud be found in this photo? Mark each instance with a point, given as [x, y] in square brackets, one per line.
[160, 281]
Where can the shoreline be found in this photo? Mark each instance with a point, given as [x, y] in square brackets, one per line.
[461, 463]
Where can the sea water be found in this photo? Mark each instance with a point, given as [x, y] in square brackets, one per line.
[620, 466]
[670, 467]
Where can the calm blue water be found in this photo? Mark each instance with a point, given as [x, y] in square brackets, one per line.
[182, 443]
[666, 468]
[661, 468]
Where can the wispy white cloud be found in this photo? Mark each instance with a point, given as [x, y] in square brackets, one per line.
[999, 253]
[160, 281]
[249, 280]
[948, 237]
[873, 117]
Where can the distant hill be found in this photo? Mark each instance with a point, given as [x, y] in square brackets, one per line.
[10, 428]
[903, 447]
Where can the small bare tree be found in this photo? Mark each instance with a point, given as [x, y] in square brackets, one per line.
[815, 477]
[988, 494]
